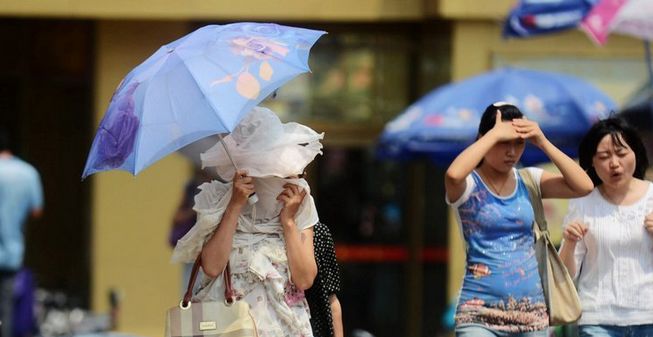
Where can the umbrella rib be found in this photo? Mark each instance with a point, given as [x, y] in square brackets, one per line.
[204, 95]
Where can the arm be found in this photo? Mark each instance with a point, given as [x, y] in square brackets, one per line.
[648, 223]
[37, 213]
[37, 197]
[183, 215]
[299, 245]
[464, 164]
[215, 253]
[336, 316]
[573, 182]
[184, 218]
[572, 234]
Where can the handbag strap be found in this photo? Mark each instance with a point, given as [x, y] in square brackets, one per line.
[535, 195]
[228, 289]
[540, 232]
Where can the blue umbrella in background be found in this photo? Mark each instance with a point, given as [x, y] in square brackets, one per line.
[197, 86]
[535, 17]
[445, 121]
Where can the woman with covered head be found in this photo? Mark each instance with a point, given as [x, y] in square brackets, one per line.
[608, 234]
[268, 244]
[502, 292]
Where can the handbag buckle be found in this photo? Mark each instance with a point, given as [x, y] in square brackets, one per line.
[186, 307]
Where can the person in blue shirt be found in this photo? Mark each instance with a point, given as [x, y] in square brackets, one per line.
[21, 196]
[501, 293]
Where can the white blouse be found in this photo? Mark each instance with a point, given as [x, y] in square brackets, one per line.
[614, 261]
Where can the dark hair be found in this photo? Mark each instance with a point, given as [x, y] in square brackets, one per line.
[508, 113]
[614, 127]
[4, 139]
[489, 118]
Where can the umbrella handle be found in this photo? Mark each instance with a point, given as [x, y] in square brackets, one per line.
[253, 198]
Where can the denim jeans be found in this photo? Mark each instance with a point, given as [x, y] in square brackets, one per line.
[645, 330]
[475, 330]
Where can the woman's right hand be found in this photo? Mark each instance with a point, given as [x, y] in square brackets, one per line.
[243, 188]
[575, 232]
[503, 130]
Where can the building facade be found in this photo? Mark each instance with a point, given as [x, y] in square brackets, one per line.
[402, 258]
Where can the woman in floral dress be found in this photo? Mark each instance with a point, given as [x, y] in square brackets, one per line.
[268, 243]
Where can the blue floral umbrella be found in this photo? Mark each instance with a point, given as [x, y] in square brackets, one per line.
[197, 86]
[445, 121]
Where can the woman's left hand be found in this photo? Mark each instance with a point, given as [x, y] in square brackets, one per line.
[291, 197]
[530, 130]
[648, 223]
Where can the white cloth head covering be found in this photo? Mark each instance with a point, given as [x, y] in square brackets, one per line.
[260, 218]
[265, 147]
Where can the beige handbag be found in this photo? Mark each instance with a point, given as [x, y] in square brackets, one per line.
[559, 290]
[230, 318]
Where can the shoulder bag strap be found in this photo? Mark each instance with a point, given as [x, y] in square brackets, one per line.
[535, 194]
[540, 233]
[228, 290]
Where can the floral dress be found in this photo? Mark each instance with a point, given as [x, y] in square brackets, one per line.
[258, 262]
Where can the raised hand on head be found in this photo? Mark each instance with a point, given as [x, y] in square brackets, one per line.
[504, 130]
[528, 129]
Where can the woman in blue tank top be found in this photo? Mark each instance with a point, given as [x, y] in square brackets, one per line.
[502, 293]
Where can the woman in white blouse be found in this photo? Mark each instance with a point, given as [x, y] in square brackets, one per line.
[608, 234]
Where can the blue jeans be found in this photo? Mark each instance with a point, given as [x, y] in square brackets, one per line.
[475, 330]
[645, 330]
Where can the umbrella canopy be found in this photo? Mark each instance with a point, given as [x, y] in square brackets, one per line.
[200, 85]
[536, 17]
[629, 17]
[194, 150]
[445, 121]
[639, 109]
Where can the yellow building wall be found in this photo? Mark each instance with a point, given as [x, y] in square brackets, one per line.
[132, 215]
[474, 45]
[470, 9]
[304, 10]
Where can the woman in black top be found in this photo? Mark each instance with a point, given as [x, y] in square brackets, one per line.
[326, 318]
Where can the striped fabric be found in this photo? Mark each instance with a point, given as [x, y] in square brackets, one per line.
[212, 319]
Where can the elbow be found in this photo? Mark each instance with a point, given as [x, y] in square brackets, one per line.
[37, 213]
[210, 271]
[210, 268]
[585, 189]
[304, 285]
[453, 177]
[306, 281]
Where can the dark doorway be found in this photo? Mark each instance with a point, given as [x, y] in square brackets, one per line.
[46, 104]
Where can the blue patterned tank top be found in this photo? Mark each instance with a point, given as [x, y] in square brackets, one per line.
[501, 289]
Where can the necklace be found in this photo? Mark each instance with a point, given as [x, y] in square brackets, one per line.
[494, 188]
